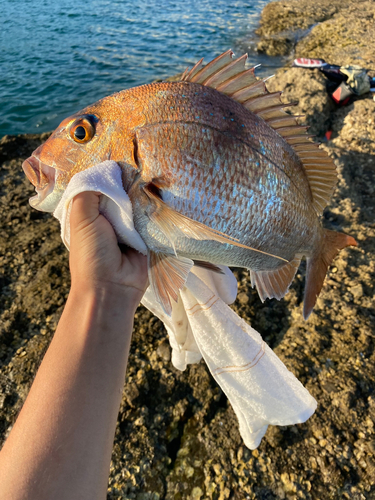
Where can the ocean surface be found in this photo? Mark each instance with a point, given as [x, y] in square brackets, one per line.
[58, 57]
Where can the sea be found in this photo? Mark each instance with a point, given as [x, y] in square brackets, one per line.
[56, 57]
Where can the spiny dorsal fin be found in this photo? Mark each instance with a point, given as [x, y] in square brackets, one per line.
[229, 76]
[212, 67]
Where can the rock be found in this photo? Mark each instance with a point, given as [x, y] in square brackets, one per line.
[196, 494]
[294, 14]
[357, 291]
[306, 88]
[131, 393]
[347, 38]
[341, 32]
[276, 45]
[243, 298]
[164, 351]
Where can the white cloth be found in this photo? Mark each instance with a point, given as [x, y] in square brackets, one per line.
[258, 385]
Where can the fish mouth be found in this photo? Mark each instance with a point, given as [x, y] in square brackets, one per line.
[39, 174]
[43, 177]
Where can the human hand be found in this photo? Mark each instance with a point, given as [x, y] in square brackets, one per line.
[95, 257]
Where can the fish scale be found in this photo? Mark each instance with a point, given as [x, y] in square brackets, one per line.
[189, 186]
[216, 174]
[209, 108]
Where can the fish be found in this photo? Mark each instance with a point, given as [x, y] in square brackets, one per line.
[218, 173]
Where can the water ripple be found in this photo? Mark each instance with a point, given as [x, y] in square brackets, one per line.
[57, 58]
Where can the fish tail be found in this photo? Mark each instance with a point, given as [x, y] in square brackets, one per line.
[317, 265]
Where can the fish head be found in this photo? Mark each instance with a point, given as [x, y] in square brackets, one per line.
[87, 138]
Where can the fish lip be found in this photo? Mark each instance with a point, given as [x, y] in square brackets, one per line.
[41, 175]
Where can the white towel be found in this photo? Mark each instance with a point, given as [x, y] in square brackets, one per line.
[258, 385]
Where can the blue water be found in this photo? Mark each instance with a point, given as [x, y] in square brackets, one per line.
[56, 57]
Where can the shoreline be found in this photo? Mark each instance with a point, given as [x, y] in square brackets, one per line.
[177, 437]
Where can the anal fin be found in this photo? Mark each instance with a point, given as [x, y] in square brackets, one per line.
[275, 284]
[167, 274]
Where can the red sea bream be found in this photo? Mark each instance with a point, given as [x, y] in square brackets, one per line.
[217, 173]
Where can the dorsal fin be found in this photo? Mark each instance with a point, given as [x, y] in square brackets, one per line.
[229, 76]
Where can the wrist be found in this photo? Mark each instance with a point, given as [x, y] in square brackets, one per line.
[106, 296]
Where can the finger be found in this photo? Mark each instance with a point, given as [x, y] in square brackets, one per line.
[85, 209]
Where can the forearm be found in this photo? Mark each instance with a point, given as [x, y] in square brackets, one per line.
[60, 446]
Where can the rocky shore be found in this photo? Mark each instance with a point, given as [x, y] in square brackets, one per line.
[177, 436]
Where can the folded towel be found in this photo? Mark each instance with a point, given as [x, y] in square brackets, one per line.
[258, 385]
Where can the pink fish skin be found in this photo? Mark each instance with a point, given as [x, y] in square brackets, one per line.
[216, 171]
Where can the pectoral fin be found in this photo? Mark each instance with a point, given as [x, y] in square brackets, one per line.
[174, 225]
[167, 275]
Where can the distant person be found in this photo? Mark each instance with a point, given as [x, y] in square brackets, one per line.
[60, 446]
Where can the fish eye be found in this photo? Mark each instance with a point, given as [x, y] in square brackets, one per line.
[80, 133]
[82, 130]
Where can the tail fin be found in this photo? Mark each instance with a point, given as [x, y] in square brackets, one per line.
[317, 265]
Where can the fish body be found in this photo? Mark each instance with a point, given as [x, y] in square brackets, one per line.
[219, 164]
[214, 176]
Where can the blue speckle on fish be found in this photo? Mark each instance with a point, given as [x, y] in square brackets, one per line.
[217, 207]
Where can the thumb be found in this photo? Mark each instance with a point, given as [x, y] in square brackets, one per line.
[85, 209]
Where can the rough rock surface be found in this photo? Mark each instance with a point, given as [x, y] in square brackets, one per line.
[294, 14]
[339, 31]
[347, 38]
[307, 89]
[177, 436]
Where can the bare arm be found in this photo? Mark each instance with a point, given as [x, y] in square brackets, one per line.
[61, 444]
